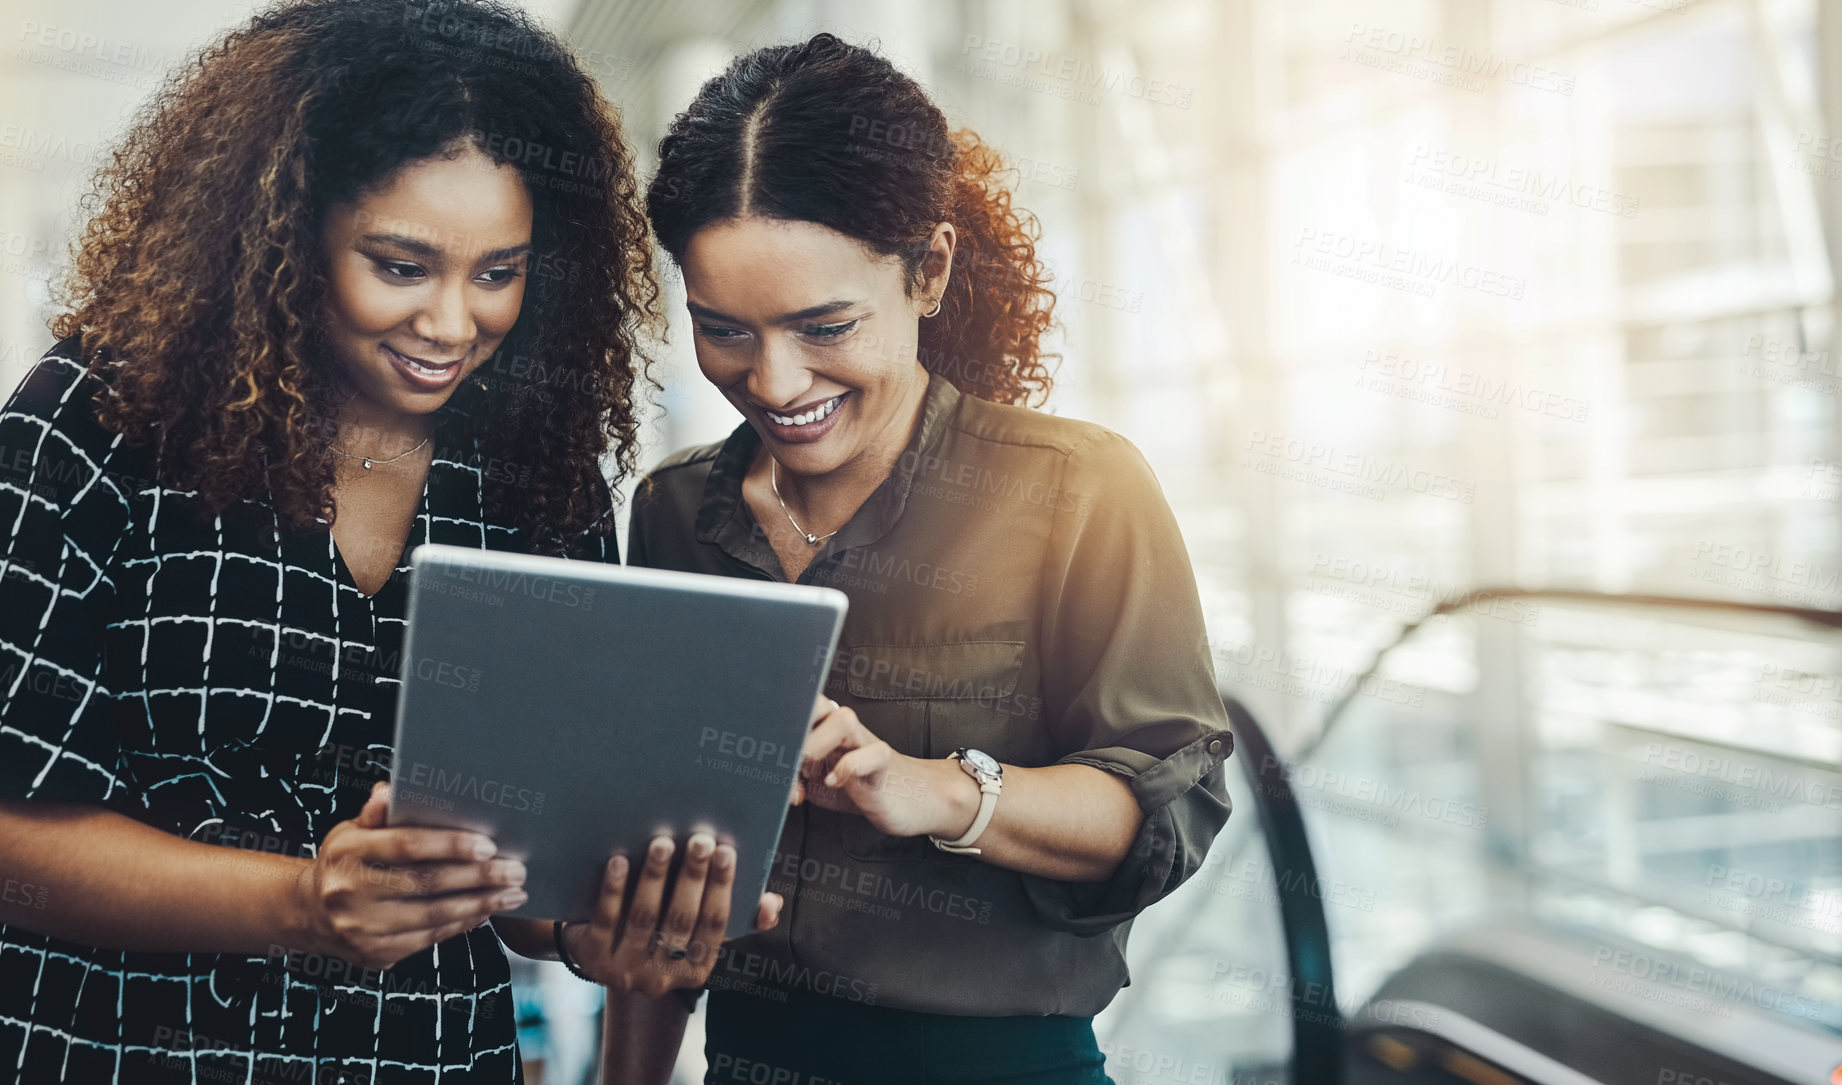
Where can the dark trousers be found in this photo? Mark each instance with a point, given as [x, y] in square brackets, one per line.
[817, 1040]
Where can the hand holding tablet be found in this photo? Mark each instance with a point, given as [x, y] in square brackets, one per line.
[639, 941]
[573, 711]
[376, 893]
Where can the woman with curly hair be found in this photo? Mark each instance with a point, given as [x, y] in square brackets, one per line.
[366, 274]
[1025, 746]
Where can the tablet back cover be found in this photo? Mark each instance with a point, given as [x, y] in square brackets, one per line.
[570, 709]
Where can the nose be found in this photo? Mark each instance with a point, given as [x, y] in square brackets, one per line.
[777, 378]
[446, 320]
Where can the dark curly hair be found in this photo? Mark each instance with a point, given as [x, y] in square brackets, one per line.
[832, 133]
[198, 284]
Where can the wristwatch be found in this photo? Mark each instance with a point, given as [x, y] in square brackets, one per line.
[982, 767]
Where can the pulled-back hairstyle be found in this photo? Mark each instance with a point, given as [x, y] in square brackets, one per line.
[198, 286]
[831, 133]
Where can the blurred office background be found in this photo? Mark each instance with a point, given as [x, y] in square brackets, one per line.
[1402, 298]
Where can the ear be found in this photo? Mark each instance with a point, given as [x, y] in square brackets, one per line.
[936, 266]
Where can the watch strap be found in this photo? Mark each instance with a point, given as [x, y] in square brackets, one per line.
[989, 789]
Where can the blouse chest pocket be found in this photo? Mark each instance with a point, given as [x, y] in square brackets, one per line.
[927, 700]
[929, 693]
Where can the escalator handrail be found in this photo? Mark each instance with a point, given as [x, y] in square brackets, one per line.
[1829, 619]
[1476, 1040]
[1317, 1026]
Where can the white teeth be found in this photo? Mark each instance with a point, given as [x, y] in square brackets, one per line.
[807, 418]
[424, 368]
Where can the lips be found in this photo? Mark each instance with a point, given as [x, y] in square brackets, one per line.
[808, 424]
[421, 373]
[808, 417]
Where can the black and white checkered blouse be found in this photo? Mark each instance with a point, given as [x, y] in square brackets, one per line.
[223, 680]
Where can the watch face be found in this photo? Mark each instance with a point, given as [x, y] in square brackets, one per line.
[983, 762]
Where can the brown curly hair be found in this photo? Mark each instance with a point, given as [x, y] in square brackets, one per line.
[197, 287]
[832, 133]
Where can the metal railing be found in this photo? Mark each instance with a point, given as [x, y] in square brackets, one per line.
[1317, 1027]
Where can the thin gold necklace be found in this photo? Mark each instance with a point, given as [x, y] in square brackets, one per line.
[369, 461]
[774, 484]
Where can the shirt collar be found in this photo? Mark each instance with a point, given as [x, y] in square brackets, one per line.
[724, 519]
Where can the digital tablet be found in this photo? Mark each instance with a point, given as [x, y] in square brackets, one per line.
[569, 709]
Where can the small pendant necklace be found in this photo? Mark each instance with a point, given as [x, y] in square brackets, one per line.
[368, 461]
[774, 484]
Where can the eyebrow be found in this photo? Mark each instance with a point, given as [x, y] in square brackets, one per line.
[826, 309]
[424, 249]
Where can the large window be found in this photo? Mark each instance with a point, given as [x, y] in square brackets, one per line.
[1400, 298]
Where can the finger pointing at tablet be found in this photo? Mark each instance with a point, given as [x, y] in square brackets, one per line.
[822, 709]
[847, 768]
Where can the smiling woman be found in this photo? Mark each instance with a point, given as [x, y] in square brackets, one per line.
[1022, 746]
[413, 307]
[406, 263]
[201, 309]
[298, 341]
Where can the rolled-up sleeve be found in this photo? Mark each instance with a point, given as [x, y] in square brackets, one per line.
[1128, 684]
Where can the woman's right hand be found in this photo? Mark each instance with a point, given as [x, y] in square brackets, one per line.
[375, 894]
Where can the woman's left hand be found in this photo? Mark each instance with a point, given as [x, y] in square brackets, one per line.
[648, 943]
[845, 767]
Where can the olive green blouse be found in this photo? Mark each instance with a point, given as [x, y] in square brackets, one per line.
[1017, 585]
